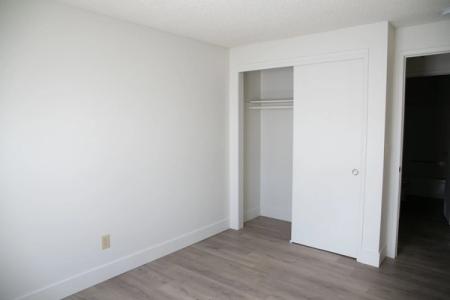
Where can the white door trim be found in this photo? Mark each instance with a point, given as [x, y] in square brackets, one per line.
[302, 60]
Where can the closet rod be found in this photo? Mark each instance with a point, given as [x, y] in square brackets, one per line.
[271, 101]
[271, 107]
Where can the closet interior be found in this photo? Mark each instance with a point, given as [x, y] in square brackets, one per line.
[268, 139]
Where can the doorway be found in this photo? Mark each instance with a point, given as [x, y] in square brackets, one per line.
[425, 190]
[268, 126]
[323, 179]
[369, 164]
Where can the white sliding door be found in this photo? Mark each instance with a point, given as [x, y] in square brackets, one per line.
[329, 135]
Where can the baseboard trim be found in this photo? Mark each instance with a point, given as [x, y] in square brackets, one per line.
[251, 214]
[88, 278]
[277, 217]
[371, 258]
[382, 254]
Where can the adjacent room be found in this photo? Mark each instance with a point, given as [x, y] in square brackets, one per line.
[425, 206]
[228, 149]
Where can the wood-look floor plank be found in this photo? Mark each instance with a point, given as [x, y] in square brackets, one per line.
[258, 262]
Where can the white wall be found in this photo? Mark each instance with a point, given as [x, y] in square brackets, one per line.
[276, 145]
[252, 148]
[105, 127]
[372, 38]
[416, 40]
[276, 163]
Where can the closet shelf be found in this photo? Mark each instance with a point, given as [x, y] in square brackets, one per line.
[271, 107]
[271, 101]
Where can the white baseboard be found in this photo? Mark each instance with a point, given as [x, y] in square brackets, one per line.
[277, 217]
[390, 251]
[372, 258]
[251, 214]
[382, 254]
[88, 278]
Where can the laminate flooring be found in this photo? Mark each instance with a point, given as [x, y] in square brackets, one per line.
[258, 262]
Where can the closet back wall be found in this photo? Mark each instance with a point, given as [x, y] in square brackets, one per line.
[268, 145]
[105, 127]
[276, 145]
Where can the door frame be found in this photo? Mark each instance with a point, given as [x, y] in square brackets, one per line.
[398, 159]
[236, 135]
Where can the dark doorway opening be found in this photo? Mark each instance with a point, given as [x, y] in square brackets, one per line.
[424, 231]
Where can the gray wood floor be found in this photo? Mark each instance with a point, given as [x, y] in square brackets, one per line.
[259, 263]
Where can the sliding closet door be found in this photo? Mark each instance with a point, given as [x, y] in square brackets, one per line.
[329, 123]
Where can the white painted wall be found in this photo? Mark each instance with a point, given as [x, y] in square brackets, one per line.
[252, 148]
[372, 38]
[105, 127]
[276, 146]
[276, 163]
[416, 40]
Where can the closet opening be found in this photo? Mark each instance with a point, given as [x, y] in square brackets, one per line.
[267, 148]
[425, 190]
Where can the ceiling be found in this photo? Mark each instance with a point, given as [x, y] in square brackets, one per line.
[232, 23]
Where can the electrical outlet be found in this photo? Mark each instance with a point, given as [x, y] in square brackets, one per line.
[106, 242]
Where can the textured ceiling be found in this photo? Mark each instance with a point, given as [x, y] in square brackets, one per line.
[236, 22]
